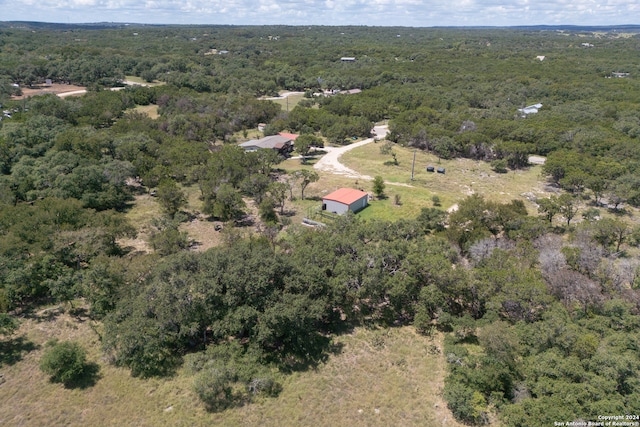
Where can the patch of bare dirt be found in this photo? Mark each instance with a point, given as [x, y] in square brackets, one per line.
[330, 162]
[203, 233]
[55, 88]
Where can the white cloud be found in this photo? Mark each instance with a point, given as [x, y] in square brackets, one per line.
[329, 12]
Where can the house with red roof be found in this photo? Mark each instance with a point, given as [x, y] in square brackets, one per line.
[345, 199]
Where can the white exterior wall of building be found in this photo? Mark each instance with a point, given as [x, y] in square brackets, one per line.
[359, 204]
[340, 208]
[335, 207]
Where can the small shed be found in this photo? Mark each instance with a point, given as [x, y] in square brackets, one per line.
[441, 170]
[431, 169]
[344, 200]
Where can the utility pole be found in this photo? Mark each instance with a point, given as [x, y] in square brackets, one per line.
[413, 165]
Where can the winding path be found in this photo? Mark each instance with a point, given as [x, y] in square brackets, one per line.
[330, 162]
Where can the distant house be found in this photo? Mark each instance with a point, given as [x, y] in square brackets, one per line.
[531, 109]
[345, 199]
[281, 144]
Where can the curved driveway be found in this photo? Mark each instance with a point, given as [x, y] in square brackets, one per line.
[330, 162]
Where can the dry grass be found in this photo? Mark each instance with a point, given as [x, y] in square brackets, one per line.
[55, 88]
[463, 177]
[144, 209]
[201, 230]
[288, 103]
[379, 378]
[149, 110]
[142, 82]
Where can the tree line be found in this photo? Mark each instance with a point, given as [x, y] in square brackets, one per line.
[541, 315]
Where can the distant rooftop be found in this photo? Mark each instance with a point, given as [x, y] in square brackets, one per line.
[531, 109]
[273, 142]
[345, 195]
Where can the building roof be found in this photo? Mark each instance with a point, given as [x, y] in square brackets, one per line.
[345, 195]
[291, 136]
[273, 141]
[531, 109]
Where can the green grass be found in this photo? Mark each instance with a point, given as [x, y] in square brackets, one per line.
[140, 81]
[462, 178]
[378, 378]
[149, 110]
[290, 102]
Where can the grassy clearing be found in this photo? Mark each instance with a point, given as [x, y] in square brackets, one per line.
[289, 102]
[149, 110]
[140, 81]
[247, 135]
[143, 209]
[463, 177]
[379, 378]
[200, 229]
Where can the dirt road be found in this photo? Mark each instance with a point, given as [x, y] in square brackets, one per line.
[330, 162]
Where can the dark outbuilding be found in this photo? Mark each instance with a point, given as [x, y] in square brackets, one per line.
[441, 170]
[431, 169]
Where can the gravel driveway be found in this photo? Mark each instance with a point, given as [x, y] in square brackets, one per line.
[330, 162]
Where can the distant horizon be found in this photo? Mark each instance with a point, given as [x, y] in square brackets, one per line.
[377, 13]
[160, 24]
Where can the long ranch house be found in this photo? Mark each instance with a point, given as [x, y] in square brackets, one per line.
[345, 199]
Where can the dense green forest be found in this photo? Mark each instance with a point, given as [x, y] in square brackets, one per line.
[541, 310]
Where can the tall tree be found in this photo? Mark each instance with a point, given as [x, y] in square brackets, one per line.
[171, 197]
[306, 177]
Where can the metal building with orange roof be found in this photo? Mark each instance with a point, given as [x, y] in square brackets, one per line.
[344, 200]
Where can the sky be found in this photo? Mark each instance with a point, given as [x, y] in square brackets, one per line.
[407, 13]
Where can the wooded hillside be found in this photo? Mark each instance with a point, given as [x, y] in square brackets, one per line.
[540, 306]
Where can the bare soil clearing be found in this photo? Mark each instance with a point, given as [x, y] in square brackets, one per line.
[330, 162]
[55, 88]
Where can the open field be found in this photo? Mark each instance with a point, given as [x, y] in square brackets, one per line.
[139, 81]
[55, 88]
[463, 177]
[149, 110]
[377, 378]
[287, 100]
[61, 89]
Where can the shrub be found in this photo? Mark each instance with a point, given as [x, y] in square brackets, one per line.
[65, 362]
[265, 385]
[213, 386]
[466, 404]
[378, 186]
[499, 166]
